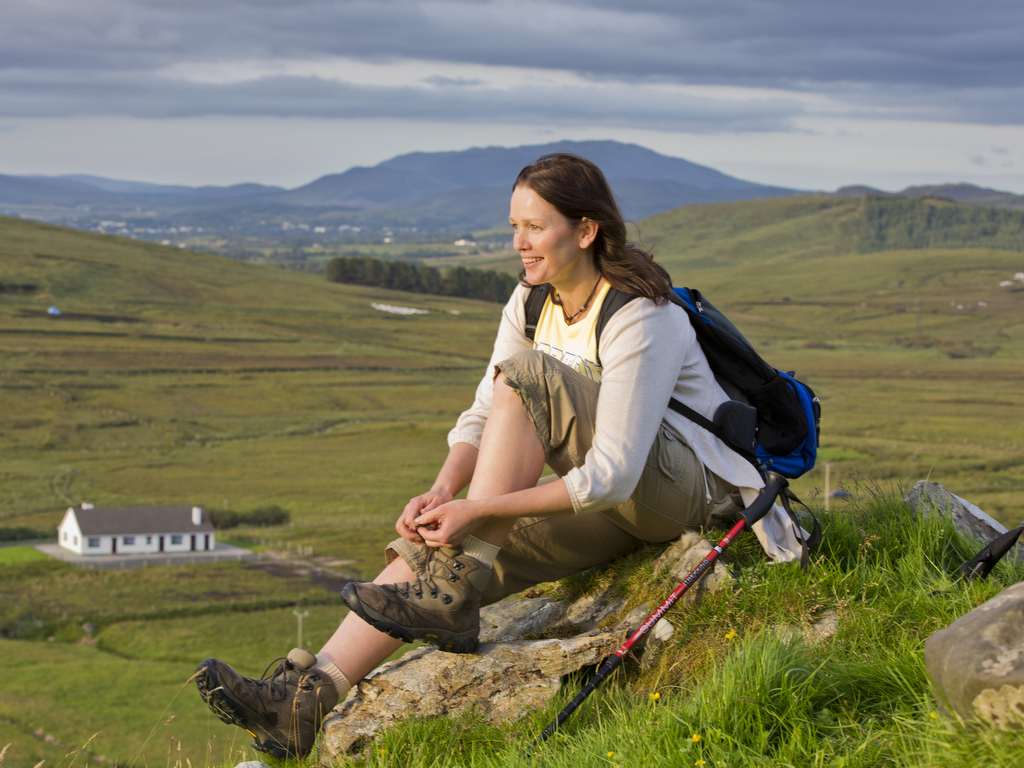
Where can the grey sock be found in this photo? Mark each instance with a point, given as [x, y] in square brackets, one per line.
[326, 665]
[480, 550]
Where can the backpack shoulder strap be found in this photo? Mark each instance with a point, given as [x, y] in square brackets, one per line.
[534, 305]
[614, 300]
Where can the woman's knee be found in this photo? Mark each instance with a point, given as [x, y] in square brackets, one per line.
[527, 365]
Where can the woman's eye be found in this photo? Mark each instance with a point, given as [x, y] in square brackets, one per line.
[535, 227]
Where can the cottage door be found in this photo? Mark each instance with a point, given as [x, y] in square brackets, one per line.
[193, 542]
[161, 542]
[113, 544]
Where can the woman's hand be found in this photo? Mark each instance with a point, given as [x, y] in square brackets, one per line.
[448, 524]
[425, 502]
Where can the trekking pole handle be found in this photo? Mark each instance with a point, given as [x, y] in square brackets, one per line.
[773, 486]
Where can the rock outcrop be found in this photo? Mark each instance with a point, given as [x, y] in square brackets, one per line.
[977, 663]
[927, 498]
[503, 681]
[528, 646]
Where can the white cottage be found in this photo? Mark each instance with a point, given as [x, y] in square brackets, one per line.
[89, 530]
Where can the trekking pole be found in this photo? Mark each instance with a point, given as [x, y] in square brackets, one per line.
[749, 516]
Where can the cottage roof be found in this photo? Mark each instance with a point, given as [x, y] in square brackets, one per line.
[98, 521]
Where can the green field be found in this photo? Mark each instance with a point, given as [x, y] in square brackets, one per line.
[182, 378]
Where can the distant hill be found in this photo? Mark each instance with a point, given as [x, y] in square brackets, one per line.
[82, 188]
[29, 190]
[959, 192]
[812, 226]
[645, 181]
[420, 191]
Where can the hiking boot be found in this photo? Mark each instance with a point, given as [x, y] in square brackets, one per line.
[441, 606]
[282, 710]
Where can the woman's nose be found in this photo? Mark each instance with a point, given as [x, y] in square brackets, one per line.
[519, 241]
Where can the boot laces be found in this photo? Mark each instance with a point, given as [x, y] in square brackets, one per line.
[275, 683]
[438, 565]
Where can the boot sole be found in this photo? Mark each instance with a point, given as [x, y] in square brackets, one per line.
[231, 711]
[452, 642]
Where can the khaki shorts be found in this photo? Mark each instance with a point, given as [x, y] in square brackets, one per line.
[670, 498]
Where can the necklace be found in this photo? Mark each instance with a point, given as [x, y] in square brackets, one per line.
[555, 299]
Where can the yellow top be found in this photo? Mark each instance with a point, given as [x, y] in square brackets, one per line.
[576, 344]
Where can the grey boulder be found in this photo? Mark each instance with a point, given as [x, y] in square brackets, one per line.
[977, 663]
[927, 498]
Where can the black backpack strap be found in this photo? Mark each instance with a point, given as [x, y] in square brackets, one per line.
[614, 300]
[813, 539]
[534, 305]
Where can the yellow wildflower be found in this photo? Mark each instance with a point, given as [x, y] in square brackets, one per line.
[699, 762]
[654, 696]
[730, 635]
[933, 715]
[611, 755]
[695, 738]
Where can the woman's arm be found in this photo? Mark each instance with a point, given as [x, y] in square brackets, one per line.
[454, 475]
[457, 470]
[464, 438]
[509, 340]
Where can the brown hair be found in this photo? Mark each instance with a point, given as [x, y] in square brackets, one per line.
[577, 189]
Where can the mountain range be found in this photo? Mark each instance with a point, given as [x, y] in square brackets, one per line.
[411, 195]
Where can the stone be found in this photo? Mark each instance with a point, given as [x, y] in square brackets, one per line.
[516, 618]
[927, 498]
[503, 681]
[685, 554]
[820, 629]
[252, 764]
[977, 663]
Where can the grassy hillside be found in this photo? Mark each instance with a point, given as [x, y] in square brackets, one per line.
[751, 677]
[174, 377]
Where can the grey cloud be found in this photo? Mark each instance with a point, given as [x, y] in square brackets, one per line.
[939, 48]
[985, 106]
[313, 97]
[456, 82]
[979, 160]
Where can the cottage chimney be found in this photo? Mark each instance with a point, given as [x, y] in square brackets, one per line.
[197, 515]
[87, 505]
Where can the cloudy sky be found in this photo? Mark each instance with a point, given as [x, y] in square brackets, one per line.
[805, 93]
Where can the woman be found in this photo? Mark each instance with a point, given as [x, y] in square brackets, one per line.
[628, 469]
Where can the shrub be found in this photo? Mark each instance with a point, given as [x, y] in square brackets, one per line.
[21, 533]
[262, 517]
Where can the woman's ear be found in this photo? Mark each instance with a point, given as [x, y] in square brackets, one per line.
[587, 232]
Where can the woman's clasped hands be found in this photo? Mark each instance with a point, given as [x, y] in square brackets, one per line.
[435, 519]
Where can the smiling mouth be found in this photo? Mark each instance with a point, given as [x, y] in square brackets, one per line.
[530, 261]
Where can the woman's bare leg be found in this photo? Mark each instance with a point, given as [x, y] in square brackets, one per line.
[511, 458]
[356, 647]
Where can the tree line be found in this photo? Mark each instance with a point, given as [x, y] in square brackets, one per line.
[419, 278]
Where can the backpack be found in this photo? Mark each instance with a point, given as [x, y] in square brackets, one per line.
[772, 418]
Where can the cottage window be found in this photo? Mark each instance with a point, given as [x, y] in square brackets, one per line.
[93, 542]
[129, 540]
[76, 540]
[176, 538]
[149, 539]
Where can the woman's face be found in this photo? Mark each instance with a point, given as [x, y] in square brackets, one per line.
[553, 248]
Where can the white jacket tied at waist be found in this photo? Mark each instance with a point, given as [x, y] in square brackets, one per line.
[649, 354]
